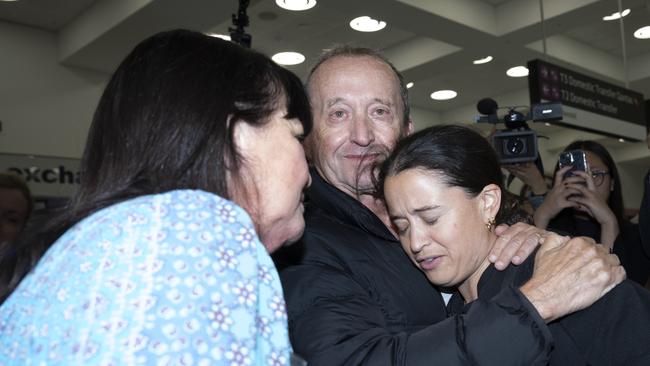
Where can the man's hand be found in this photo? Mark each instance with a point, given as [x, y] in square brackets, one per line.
[515, 243]
[570, 275]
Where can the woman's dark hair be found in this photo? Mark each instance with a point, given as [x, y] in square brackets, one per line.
[615, 201]
[166, 119]
[461, 156]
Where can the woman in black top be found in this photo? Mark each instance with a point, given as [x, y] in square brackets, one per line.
[443, 188]
[591, 204]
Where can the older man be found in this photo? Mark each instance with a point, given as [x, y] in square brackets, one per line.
[355, 298]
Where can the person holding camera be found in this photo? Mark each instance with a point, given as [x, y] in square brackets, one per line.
[586, 200]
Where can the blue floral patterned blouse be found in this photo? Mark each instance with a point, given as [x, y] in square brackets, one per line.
[178, 278]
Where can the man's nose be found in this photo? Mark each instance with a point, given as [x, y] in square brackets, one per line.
[362, 131]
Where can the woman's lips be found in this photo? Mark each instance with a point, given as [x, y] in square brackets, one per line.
[362, 156]
[429, 263]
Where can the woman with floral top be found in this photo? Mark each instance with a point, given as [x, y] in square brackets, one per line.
[193, 171]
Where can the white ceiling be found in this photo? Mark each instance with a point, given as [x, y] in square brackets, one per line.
[431, 42]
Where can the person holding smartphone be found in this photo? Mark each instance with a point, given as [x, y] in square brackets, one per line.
[586, 200]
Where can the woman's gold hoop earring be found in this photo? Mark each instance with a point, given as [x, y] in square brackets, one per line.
[490, 225]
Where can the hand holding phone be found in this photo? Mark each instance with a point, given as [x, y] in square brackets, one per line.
[577, 159]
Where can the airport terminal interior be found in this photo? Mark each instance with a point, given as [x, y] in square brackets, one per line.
[592, 55]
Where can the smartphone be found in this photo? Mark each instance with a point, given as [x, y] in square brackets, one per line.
[574, 158]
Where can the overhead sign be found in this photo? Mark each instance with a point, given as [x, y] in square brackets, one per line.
[588, 103]
[45, 176]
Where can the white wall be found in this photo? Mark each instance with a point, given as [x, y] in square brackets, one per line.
[45, 108]
[423, 118]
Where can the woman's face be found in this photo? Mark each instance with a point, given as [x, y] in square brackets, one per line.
[13, 215]
[442, 229]
[596, 165]
[273, 175]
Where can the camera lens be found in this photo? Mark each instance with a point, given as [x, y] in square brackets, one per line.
[515, 146]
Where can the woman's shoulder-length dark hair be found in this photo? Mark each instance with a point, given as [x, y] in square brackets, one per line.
[166, 119]
[167, 116]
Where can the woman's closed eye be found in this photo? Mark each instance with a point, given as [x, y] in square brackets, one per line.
[401, 226]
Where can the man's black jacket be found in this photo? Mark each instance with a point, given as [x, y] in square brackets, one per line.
[354, 297]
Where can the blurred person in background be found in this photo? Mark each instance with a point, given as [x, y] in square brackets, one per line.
[590, 203]
[16, 205]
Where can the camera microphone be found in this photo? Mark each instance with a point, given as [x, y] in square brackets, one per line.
[487, 106]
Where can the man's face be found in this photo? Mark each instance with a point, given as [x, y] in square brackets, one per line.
[358, 116]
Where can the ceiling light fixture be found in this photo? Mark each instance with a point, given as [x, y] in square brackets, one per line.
[616, 15]
[367, 24]
[483, 60]
[288, 58]
[642, 33]
[222, 36]
[517, 72]
[296, 5]
[409, 85]
[443, 95]
[547, 124]
[621, 140]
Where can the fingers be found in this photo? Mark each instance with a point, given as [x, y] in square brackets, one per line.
[559, 175]
[500, 229]
[587, 179]
[571, 275]
[551, 240]
[515, 244]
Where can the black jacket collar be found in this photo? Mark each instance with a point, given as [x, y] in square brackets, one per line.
[324, 196]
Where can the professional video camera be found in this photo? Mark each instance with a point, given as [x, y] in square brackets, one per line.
[517, 143]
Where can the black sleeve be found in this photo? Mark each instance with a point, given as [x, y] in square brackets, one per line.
[628, 247]
[332, 321]
[615, 330]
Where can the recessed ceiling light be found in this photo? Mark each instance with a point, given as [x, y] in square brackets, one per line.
[367, 24]
[443, 95]
[483, 60]
[222, 36]
[517, 71]
[547, 124]
[409, 85]
[621, 140]
[616, 15]
[642, 33]
[288, 58]
[296, 5]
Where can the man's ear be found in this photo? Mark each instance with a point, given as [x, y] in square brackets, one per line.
[490, 201]
[409, 128]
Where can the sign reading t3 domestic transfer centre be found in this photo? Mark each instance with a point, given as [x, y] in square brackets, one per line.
[588, 103]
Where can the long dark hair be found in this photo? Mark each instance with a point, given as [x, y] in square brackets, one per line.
[461, 156]
[166, 119]
[615, 201]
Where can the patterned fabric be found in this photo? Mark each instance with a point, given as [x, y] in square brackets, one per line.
[178, 278]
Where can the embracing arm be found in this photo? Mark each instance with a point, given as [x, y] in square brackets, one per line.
[333, 321]
[569, 275]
